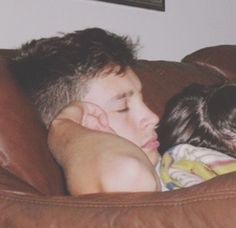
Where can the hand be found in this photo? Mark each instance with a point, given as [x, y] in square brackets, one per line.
[88, 115]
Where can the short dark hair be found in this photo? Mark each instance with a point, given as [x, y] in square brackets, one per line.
[201, 116]
[54, 71]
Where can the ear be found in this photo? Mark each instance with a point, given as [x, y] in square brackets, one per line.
[87, 115]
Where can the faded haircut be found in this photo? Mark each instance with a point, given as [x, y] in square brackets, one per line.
[54, 71]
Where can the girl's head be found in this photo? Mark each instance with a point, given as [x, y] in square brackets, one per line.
[202, 116]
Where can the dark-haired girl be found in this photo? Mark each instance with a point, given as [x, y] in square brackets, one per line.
[198, 135]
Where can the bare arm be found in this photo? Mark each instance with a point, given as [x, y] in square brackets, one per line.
[95, 161]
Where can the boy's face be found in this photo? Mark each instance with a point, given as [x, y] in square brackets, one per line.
[120, 96]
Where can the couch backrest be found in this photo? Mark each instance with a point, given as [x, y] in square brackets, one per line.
[163, 79]
[221, 59]
[23, 144]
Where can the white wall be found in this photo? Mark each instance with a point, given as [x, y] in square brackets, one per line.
[185, 26]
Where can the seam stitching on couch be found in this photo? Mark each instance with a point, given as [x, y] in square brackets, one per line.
[113, 205]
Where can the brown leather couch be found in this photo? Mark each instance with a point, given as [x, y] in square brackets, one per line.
[32, 189]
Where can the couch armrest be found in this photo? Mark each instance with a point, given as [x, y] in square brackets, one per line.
[210, 204]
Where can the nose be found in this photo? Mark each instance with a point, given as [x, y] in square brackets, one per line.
[149, 118]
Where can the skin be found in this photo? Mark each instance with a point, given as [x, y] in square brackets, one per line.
[120, 97]
[115, 132]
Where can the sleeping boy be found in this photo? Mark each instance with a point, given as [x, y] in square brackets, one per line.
[87, 77]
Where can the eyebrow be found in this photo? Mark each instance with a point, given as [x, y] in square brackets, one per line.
[121, 96]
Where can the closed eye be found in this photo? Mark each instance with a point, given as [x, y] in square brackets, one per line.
[123, 110]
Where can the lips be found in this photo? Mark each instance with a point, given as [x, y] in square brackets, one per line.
[153, 143]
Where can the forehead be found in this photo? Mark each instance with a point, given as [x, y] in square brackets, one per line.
[109, 86]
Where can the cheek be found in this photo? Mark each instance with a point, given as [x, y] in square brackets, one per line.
[124, 127]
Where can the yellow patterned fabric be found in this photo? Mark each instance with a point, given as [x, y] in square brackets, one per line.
[185, 165]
